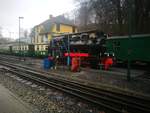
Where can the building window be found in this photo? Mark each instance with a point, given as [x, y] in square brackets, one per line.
[42, 39]
[46, 47]
[57, 27]
[37, 39]
[73, 29]
[37, 47]
[33, 40]
[41, 47]
[45, 38]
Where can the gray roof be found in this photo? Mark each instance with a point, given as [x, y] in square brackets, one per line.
[61, 19]
[132, 36]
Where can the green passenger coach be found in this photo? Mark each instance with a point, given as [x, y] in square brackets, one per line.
[137, 48]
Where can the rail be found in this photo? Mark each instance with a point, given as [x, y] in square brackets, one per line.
[109, 100]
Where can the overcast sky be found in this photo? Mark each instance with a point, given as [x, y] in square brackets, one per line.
[33, 11]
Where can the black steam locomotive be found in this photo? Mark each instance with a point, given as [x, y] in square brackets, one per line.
[89, 43]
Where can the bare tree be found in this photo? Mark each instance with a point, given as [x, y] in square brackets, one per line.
[102, 13]
[142, 16]
[32, 35]
[83, 15]
[26, 33]
[112, 15]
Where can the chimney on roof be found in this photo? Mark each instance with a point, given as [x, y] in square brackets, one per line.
[50, 16]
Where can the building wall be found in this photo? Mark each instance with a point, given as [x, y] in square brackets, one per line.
[49, 37]
[66, 28]
[54, 30]
[63, 28]
[40, 39]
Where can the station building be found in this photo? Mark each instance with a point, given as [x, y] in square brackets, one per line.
[42, 33]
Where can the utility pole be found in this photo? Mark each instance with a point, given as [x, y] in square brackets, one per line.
[19, 35]
[129, 39]
[68, 58]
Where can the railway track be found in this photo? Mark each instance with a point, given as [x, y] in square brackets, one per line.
[111, 101]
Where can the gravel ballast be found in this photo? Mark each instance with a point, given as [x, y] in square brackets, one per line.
[43, 99]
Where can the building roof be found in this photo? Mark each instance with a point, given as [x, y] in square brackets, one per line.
[58, 20]
[132, 36]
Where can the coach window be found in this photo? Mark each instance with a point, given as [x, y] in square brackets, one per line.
[116, 45]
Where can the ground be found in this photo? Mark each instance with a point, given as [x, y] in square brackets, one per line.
[48, 100]
[43, 99]
[10, 103]
[116, 77]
